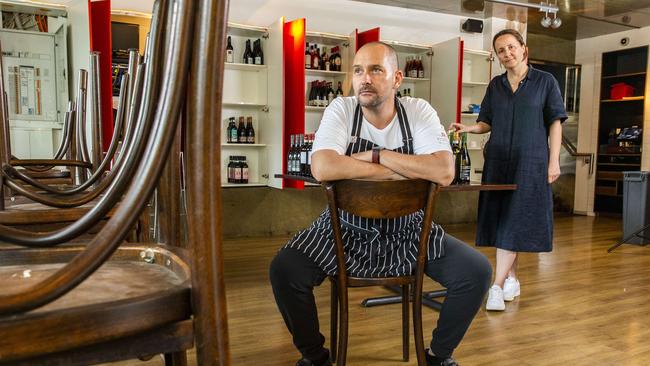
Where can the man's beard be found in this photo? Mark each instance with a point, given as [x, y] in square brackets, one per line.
[375, 101]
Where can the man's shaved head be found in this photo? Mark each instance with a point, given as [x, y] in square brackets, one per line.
[391, 56]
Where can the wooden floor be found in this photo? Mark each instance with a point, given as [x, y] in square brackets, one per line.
[579, 305]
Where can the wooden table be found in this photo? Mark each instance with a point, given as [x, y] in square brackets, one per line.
[427, 297]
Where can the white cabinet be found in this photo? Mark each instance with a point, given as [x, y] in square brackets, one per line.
[459, 80]
[412, 85]
[245, 94]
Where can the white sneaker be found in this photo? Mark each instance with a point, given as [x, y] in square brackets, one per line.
[511, 289]
[495, 299]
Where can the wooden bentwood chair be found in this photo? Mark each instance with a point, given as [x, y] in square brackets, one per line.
[381, 200]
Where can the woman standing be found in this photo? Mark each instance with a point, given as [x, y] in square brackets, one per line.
[523, 110]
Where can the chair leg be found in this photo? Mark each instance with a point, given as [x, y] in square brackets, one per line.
[176, 359]
[417, 327]
[334, 319]
[343, 325]
[405, 323]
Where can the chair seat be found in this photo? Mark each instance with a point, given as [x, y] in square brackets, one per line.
[126, 297]
[380, 281]
[36, 213]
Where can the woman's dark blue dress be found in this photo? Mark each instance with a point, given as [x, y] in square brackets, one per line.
[518, 152]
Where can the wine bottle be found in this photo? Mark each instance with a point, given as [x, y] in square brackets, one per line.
[229, 52]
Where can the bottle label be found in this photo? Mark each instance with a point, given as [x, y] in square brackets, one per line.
[244, 174]
[308, 61]
[421, 73]
[465, 171]
[258, 60]
[229, 56]
[237, 175]
[251, 139]
[327, 66]
[413, 73]
[233, 135]
[303, 157]
[250, 59]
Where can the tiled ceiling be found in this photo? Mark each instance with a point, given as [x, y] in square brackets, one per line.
[580, 18]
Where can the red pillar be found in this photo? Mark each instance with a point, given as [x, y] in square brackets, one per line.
[99, 19]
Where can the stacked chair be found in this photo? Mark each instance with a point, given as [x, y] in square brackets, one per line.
[78, 293]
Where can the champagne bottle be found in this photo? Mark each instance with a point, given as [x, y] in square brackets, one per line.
[465, 162]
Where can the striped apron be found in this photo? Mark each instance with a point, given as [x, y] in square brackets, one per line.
[373, 247]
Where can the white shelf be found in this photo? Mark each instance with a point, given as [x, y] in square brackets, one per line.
[406, 47]
[312, 108]
[246, 30]
[477, 52]
[244, 67]
[468, 115]
[236, 146]
[415, 80]
[324, 73]
[242, 104]
[328, 39]
[475, 83]
[241, 185]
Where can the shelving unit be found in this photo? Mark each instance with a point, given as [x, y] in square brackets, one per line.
[314, 114]
[463, 74]
[420, 87]
[246, 94]
[629, 67]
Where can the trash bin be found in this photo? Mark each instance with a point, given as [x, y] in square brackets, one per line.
[636, 206]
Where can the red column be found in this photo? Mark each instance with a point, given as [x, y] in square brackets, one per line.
[294, 89]
[99, 12]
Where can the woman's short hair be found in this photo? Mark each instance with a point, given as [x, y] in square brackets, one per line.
[511, 32]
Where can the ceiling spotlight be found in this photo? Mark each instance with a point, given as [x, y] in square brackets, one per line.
[557, 22]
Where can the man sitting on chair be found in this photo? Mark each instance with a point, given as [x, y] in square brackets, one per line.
[375, 135]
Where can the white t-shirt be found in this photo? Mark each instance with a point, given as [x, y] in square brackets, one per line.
[334, 132]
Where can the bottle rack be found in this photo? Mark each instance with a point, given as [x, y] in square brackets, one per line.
[246, 94]
[313, 114]
[420, 87]
[616, 113]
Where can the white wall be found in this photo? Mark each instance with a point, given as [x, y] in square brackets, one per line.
[589, 54]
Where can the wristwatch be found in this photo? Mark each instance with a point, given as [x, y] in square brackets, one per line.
[375, 154]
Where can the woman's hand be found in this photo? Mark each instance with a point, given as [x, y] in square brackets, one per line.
[553, 171]
[461, 127]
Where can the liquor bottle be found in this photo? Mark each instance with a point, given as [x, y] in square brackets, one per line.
[408, 91]
[339, 90]
[248, 54]
[315, 59]
[250, 131]
[231, 172]
[259, 55]
[465, 162]
[295, 156]
[241, 131]
[307, 56]
[420, 67]
[232, 131]
[337, 59]
[407, 67]
[399, 94]
[325, 60]
[237, 170]
[330, 93]
[244, 171]
[310, 143]
[290, 156]
[303, 155]
[230, 52]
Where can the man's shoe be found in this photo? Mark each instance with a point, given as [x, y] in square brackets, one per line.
[495, 299]
[308, 362]
[511, 289]
[439, 361]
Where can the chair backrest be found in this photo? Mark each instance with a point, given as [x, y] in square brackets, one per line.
[380, 199]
